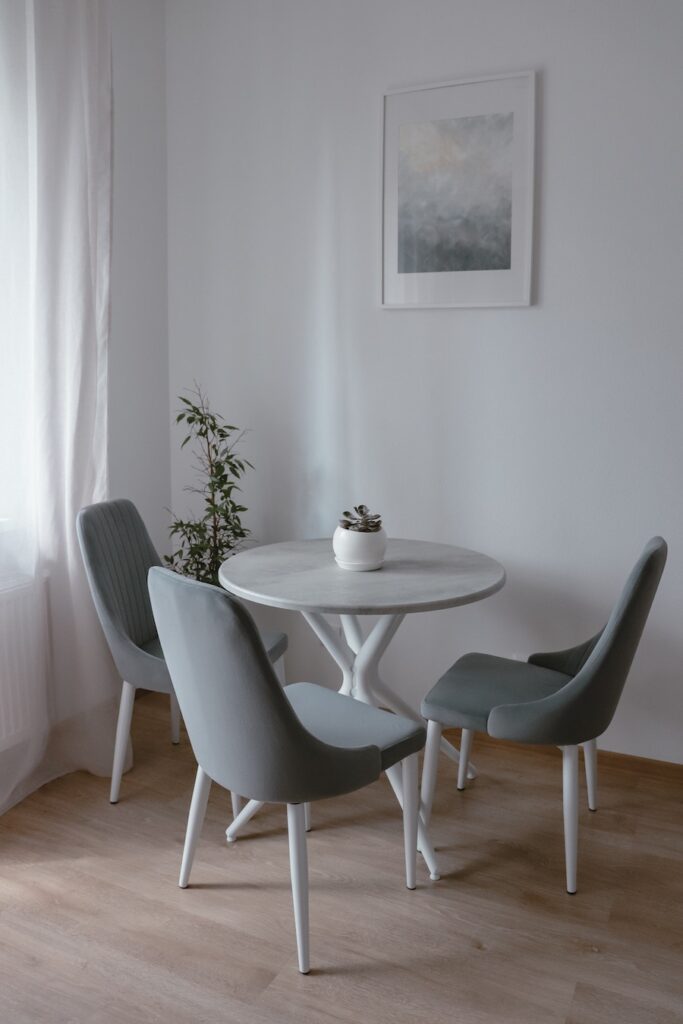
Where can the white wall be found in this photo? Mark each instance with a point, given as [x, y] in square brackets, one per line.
[139, 449]
[548, 437]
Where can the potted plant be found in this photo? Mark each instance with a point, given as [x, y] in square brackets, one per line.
[359, 541]
[208, 539]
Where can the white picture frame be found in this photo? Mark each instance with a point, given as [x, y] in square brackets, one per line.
[458, 193]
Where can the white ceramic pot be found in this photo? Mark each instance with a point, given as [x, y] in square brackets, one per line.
[359, 552]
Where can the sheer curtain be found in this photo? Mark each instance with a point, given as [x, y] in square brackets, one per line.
[57, 682]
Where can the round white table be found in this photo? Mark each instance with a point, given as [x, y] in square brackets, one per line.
[417, 576]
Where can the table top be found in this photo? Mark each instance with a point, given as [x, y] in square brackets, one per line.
[417, 576]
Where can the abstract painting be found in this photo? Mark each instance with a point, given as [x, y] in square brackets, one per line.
[458, 191]
[455, 194]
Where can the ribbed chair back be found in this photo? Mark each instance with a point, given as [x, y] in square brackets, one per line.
[118, 553]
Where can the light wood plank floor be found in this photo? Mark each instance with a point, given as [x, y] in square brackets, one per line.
[94, 929]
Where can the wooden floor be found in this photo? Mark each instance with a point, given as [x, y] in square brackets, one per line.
[94, 929]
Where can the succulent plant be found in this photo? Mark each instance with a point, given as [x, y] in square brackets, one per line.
[361, 520]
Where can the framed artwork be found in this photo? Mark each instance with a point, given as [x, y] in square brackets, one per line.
[458, 193]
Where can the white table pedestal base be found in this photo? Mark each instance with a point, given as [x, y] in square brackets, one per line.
[359, 660]
[240, 820]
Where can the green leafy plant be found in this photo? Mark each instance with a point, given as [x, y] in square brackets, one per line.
[361, 520]
[207, 540]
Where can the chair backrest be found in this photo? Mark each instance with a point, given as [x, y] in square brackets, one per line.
[585, 706]
[600, 682]
[118, 553]
[243, 730]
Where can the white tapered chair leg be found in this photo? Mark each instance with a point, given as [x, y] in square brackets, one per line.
[429, 770]
[466, 737]
[236, 800]
[298, 866]
[449, 750]
[121, 741]
[200, 796]
[424, 843]
[175, 719]
[279, 667]
[570, 798]
[590, 759]
[410, 815]
[307, 817]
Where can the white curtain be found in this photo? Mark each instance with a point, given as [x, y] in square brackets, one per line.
[57, 682]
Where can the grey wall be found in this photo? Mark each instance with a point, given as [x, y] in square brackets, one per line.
[547, 437]
[139, 449]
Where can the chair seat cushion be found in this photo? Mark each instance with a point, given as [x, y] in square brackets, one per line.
[344, 722]
[147, 669]
[466, 694]
[153, 648]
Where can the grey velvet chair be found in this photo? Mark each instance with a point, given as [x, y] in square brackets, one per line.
[565, 698]
[276, 745]
[118, 553]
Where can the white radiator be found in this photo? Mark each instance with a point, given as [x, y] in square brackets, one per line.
[23, 696]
